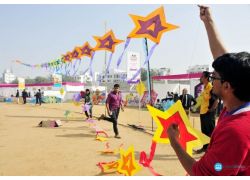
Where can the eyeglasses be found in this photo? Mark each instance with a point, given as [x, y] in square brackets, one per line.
[212, 78]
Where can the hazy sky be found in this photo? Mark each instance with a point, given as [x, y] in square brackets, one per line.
[36, 34]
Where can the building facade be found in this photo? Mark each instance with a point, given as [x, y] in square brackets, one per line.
[8, 76]
[114, 76]
[198, 68]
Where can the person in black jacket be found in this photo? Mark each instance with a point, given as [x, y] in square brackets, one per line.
[187, 100]
[38, 97]
[24, 95]
[17, 96]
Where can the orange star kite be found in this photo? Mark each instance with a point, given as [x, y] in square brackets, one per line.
[152, 26]
[86, 50]
[67, 57]
[107, 42]
[76, 54]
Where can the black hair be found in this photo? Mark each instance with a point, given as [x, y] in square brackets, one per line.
[116, 86]
[176, 97]
[87, 90]
[234, 68]
[206, 74]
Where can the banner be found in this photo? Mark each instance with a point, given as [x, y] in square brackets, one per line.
[21, 83]
[57, 79]
[133, 65]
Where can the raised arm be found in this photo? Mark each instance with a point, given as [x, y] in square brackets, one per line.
[216, 46]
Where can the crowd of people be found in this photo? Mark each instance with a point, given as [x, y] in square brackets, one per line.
[187, 101]
[26, 95]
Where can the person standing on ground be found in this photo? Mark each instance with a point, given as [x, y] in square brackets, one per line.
[187, 100]
[88, 104]
[24, 95]
[17, 96]
[206, 115]
[114, 104]
[38, 97]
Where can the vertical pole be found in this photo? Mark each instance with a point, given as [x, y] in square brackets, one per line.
[149, 81]
[105, 61]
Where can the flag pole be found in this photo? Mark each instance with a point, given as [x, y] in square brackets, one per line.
[149, 81]
[105, 62]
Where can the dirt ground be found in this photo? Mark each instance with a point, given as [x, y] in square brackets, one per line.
[71, 149]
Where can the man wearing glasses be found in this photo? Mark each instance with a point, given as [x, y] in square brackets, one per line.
[229, 150]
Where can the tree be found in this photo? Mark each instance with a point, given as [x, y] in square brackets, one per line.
[144, 74]
[40, 79]
[29, 81]
[14, 81]
[69, 79]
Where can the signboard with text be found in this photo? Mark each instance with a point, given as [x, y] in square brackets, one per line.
[133, 65]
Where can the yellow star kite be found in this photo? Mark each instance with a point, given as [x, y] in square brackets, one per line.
[189, 137]
[127, 163]
[140, 88]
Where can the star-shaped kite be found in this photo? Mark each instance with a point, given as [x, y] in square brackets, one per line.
[152, 26]
[67, 57]
[189, 137]
[107, 42]
[140, 88]
[87, 50]
[76, 54]
[61, 91]
[127, 163]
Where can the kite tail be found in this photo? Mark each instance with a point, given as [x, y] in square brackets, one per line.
[145, 62]
[125, 47]
[77, 67]
[110, 58]
[146, 161]
[90, 64]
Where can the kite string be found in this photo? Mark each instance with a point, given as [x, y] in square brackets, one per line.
[198, 28]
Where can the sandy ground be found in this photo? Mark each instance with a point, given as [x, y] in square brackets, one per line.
[71, 150]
